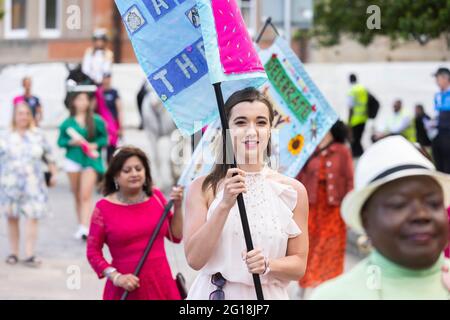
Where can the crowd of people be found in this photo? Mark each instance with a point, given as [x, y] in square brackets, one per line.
[431, 133]
[26, 176]
[396, 197]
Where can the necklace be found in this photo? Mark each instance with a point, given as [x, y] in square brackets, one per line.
[128, 201]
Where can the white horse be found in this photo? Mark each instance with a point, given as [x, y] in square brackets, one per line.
[164, 140]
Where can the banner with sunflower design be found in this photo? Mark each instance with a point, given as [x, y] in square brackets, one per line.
[302, 116]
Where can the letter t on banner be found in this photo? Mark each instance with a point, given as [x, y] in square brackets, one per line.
[168, 43]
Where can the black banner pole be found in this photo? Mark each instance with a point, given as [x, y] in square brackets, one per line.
[266, 24]
[150, 244]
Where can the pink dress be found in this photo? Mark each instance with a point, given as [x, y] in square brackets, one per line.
[126, 230]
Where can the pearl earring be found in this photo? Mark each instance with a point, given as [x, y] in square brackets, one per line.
[116, 185]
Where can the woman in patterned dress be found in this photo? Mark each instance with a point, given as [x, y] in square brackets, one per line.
[23, 191]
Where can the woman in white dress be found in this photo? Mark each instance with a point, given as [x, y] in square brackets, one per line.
[276, 206]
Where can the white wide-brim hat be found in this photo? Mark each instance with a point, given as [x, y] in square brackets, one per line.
[387, 160]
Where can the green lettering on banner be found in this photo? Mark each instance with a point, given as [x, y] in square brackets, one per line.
[287, 89]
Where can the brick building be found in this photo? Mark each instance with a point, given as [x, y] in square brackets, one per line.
[58, 30]
[35, 31]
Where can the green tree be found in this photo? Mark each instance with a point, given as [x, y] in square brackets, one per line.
[2, 12]
[420, 20]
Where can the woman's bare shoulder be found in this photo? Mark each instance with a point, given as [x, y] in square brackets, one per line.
[197, 184]
[196, 190]
[281, 178]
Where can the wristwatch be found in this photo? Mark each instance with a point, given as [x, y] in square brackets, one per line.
[108, 271]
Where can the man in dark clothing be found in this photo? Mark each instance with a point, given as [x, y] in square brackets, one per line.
[143, 91]
[421, 133]
[441, 144]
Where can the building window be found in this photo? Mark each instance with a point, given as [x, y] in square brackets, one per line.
[50, 18]
[16, 19]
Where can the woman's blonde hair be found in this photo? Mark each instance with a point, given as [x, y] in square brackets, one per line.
[31, 124]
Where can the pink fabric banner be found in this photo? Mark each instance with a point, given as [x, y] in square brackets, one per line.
[111, 124]
[237, 53]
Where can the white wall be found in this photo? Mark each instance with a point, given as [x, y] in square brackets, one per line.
[411, 82]
[49, 86]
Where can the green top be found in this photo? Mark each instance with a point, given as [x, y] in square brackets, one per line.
[377, 278]
[75, 153]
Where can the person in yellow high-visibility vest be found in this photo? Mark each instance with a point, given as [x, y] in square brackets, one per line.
[401, 122]
[358, 98]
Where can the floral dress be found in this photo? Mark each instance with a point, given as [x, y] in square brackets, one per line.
[22, 184]
[327, 237]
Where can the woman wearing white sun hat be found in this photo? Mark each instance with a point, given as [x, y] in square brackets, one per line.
[399, 202]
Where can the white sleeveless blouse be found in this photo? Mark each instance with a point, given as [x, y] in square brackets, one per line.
[269, 206]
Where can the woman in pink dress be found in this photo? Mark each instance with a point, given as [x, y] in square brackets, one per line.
[124, 220]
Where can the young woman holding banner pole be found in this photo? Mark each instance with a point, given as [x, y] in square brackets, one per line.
[277, 209]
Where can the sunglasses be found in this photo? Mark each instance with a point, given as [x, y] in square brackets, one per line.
[219, 282]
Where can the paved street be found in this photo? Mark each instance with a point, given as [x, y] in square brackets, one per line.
[65, 273]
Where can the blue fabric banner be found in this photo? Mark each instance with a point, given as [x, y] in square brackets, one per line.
[168, 43]
[302, 116]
